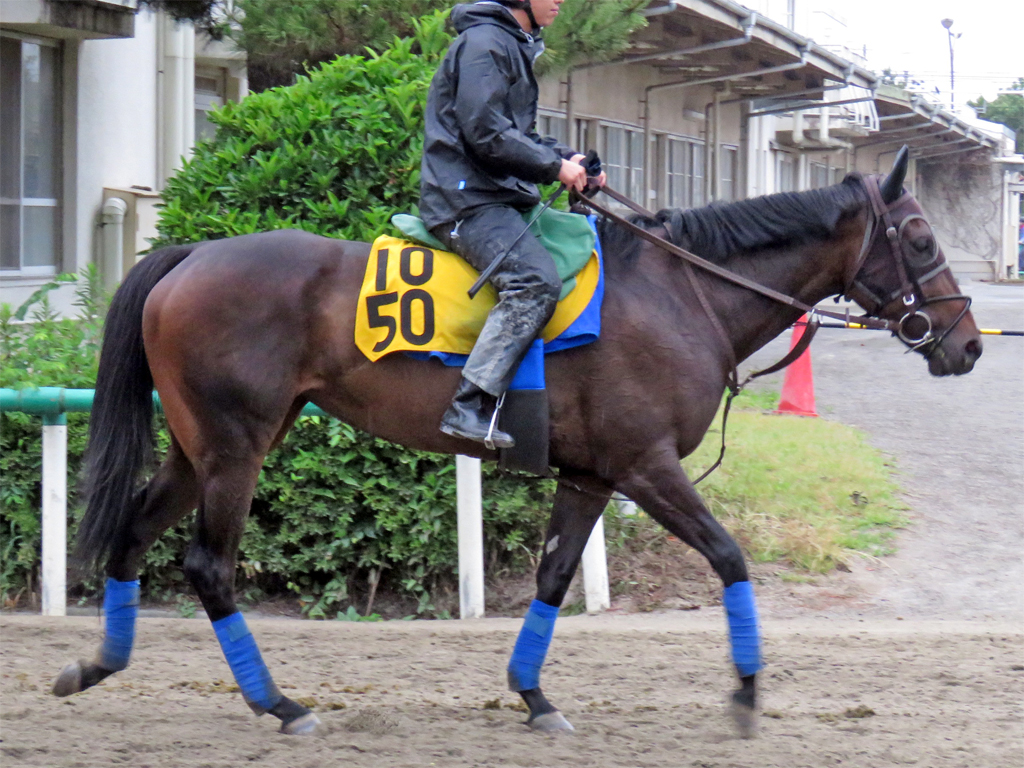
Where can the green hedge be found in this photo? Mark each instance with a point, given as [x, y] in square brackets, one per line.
[337, 153]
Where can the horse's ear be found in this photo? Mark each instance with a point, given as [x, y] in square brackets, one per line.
[892, 187]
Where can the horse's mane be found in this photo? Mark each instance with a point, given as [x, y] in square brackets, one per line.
[719, 230]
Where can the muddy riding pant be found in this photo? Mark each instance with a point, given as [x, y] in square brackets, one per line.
[527, 283]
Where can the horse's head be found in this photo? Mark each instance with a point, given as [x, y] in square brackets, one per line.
[901, 275]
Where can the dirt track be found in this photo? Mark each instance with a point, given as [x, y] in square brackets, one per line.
[642, 690]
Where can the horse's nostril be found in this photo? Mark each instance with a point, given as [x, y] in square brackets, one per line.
[973, 348]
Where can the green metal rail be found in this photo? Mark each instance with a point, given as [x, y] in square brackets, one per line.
[52, 403]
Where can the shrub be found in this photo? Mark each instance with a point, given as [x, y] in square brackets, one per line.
[338, 153]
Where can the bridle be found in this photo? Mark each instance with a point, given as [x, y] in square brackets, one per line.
[913, 269]
[908, 268]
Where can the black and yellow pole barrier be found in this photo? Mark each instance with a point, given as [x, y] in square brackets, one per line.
[984, 331]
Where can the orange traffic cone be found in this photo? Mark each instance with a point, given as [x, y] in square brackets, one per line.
[798, 386]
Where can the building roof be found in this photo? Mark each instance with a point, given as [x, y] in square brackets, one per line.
[928, 129]
[708, 40]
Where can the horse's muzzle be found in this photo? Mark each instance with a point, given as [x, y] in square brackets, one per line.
[950, 358]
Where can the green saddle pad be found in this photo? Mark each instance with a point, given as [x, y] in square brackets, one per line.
[568, 237]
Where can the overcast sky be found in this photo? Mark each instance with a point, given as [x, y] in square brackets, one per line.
[908, 35]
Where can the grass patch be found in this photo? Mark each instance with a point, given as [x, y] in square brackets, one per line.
[804, 491]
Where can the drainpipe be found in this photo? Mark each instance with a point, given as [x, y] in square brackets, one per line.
[823, 117]
[112, 221]
[176, 42]
[570, 116]
[798, 128]
[705, 81]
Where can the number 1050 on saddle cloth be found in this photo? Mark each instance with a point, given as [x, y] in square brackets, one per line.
[414, 299]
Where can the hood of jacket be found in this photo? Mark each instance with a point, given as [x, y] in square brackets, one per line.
[469, 15]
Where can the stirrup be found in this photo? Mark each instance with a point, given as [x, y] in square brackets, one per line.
[489, 439]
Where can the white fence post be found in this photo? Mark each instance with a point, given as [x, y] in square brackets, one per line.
[471, 538]
[55, 514]
[595, 571]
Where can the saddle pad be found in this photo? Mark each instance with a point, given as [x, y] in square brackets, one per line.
[414, 299]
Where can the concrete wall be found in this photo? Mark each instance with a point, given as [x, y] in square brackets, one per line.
[963, 200]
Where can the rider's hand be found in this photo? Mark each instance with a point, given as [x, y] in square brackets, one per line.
[598, 181]
[573, 175]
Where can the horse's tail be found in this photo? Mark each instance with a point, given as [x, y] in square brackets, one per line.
[121, 425]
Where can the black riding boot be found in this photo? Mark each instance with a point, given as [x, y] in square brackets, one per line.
[470, 414]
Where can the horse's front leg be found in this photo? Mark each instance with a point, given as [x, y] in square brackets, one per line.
[662, 489]
[579, 502]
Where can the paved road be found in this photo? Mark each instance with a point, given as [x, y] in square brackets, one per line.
[959, 444]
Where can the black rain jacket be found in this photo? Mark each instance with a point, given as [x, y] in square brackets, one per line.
[480, 147]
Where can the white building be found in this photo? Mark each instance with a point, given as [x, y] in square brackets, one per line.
[96, 103]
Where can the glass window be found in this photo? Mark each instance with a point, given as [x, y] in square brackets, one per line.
[553, 126]
[209, 95]
[819, 175]
[697, 175]
[636, 167]
[729, 174]
[613, 156]
[786, 181]
[584, 140]
[30, 140]
[678, 173]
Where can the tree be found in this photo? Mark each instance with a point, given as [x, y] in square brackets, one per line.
[1007, 109]
[285, 39]
[590, 31]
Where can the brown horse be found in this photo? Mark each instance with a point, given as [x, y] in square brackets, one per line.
[237, 335]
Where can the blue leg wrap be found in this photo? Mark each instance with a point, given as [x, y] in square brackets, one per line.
[121, 607]
[246, 664]
[744, 633]
[532, 646]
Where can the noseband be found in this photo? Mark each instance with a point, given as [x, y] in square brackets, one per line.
[914, 328]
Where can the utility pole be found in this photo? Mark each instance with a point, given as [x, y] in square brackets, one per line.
[947, 23]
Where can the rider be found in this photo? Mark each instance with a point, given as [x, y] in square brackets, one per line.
[481, 162]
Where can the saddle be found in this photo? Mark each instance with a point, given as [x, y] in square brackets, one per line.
[414, 299]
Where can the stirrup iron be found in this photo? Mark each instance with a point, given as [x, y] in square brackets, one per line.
[489, 439]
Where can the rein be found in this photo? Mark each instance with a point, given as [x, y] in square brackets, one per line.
[910, 289]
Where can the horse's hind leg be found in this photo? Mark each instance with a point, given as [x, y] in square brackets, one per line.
[170, 495]
[210, 566]
[579, 502]
[662, 489]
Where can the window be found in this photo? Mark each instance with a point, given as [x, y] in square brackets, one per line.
[622, 157]
[30, 160]
[697, 175]
[819, 175]
[729, 190]
[678, 169]
[553, 126]
[583, 143]
[786, 180]
[210, 92]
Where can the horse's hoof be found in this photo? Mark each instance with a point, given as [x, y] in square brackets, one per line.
[300, 726]
[550, 722]
[745, 718]
[69, 680]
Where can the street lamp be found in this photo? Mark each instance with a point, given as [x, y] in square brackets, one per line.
[947, 23]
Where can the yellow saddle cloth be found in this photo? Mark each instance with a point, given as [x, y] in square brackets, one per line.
[414, 299]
